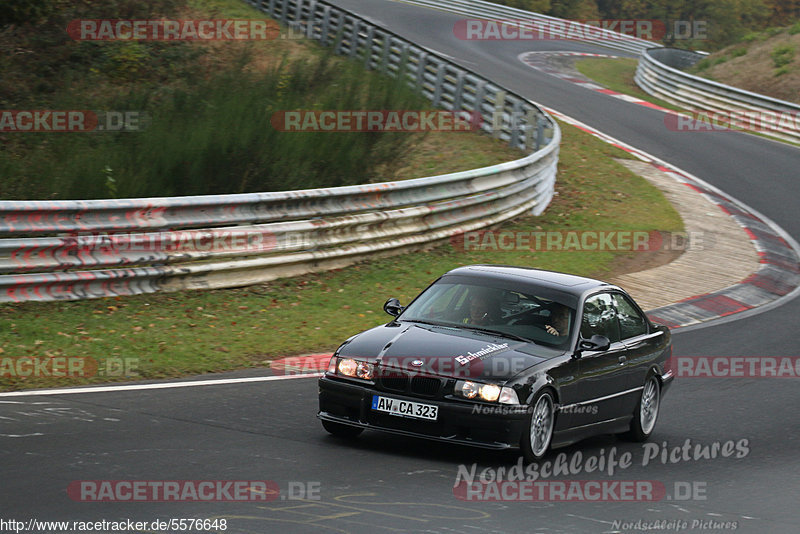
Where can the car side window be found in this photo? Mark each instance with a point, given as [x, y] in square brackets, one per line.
[631, 322]
[600, 318]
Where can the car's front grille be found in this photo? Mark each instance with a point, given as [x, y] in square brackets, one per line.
[394, 380]
[402, 382]
[425, 385]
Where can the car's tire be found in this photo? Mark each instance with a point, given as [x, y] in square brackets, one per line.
[341, 431]
[646, 412]
[538, 432]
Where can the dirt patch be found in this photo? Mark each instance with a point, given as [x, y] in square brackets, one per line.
[642, 261]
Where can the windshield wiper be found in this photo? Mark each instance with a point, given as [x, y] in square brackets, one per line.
[421, 321]
[498, 332]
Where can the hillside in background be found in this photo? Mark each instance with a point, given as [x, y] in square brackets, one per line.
[764, 62]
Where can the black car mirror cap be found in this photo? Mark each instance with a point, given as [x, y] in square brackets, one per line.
[393, 307]
[596, 343]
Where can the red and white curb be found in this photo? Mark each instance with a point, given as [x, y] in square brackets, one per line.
[777, 279]
[539, 61]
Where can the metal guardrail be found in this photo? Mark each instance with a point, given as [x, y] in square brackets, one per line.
[658, 74]
[490, 11]
[67, 250]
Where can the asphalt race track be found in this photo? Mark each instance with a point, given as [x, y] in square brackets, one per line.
[253, 431]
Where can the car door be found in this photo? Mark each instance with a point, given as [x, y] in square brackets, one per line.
[642, 346]
[599, 371]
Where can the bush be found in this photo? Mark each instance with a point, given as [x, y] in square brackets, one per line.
[783, 70]
[701, 65]
[216, 137]
[782, 55]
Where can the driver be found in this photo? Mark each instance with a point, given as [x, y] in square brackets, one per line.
[482, 310]
[558, 324]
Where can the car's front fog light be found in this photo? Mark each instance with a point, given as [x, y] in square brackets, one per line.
[347, 367]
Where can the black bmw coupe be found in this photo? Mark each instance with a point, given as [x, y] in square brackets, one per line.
[503, 357]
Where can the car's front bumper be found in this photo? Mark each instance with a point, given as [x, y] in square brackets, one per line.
[490, 427]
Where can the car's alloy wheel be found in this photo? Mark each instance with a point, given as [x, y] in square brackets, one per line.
[644, 418]
[648, 406]
[340, 430]
[536, 441]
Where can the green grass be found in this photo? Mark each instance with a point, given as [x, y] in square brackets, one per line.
[782, 55]
[179, 334]
[617, 75]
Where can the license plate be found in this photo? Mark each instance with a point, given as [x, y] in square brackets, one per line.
[417, 410]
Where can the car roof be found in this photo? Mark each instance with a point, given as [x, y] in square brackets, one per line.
[569, 283]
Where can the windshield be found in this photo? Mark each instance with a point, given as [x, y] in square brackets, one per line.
[504, 311]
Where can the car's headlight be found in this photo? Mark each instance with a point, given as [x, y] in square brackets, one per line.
[364, 370]
[488, 392]
[353, 368]
[468, 389]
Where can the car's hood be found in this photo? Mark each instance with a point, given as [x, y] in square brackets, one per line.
[445, 351]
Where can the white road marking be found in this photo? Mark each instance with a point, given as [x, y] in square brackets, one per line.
[160, 385]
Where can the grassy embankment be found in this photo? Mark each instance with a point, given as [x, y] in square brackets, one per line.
[762, 62]
[205, 110]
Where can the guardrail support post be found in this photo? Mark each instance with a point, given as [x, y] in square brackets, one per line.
[338, 42]
[298, 11]
[497, 115]
[385, 55]
[310, 23]
[354, 37]
[531, 123]
[437, 90]
[541, 123]
[421, 63]
[459, 95]
[326, 25]
[516, 120]
[284, 13]
[368, 47]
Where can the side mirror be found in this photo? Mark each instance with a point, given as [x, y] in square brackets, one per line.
[596, 343]
[393, 307]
